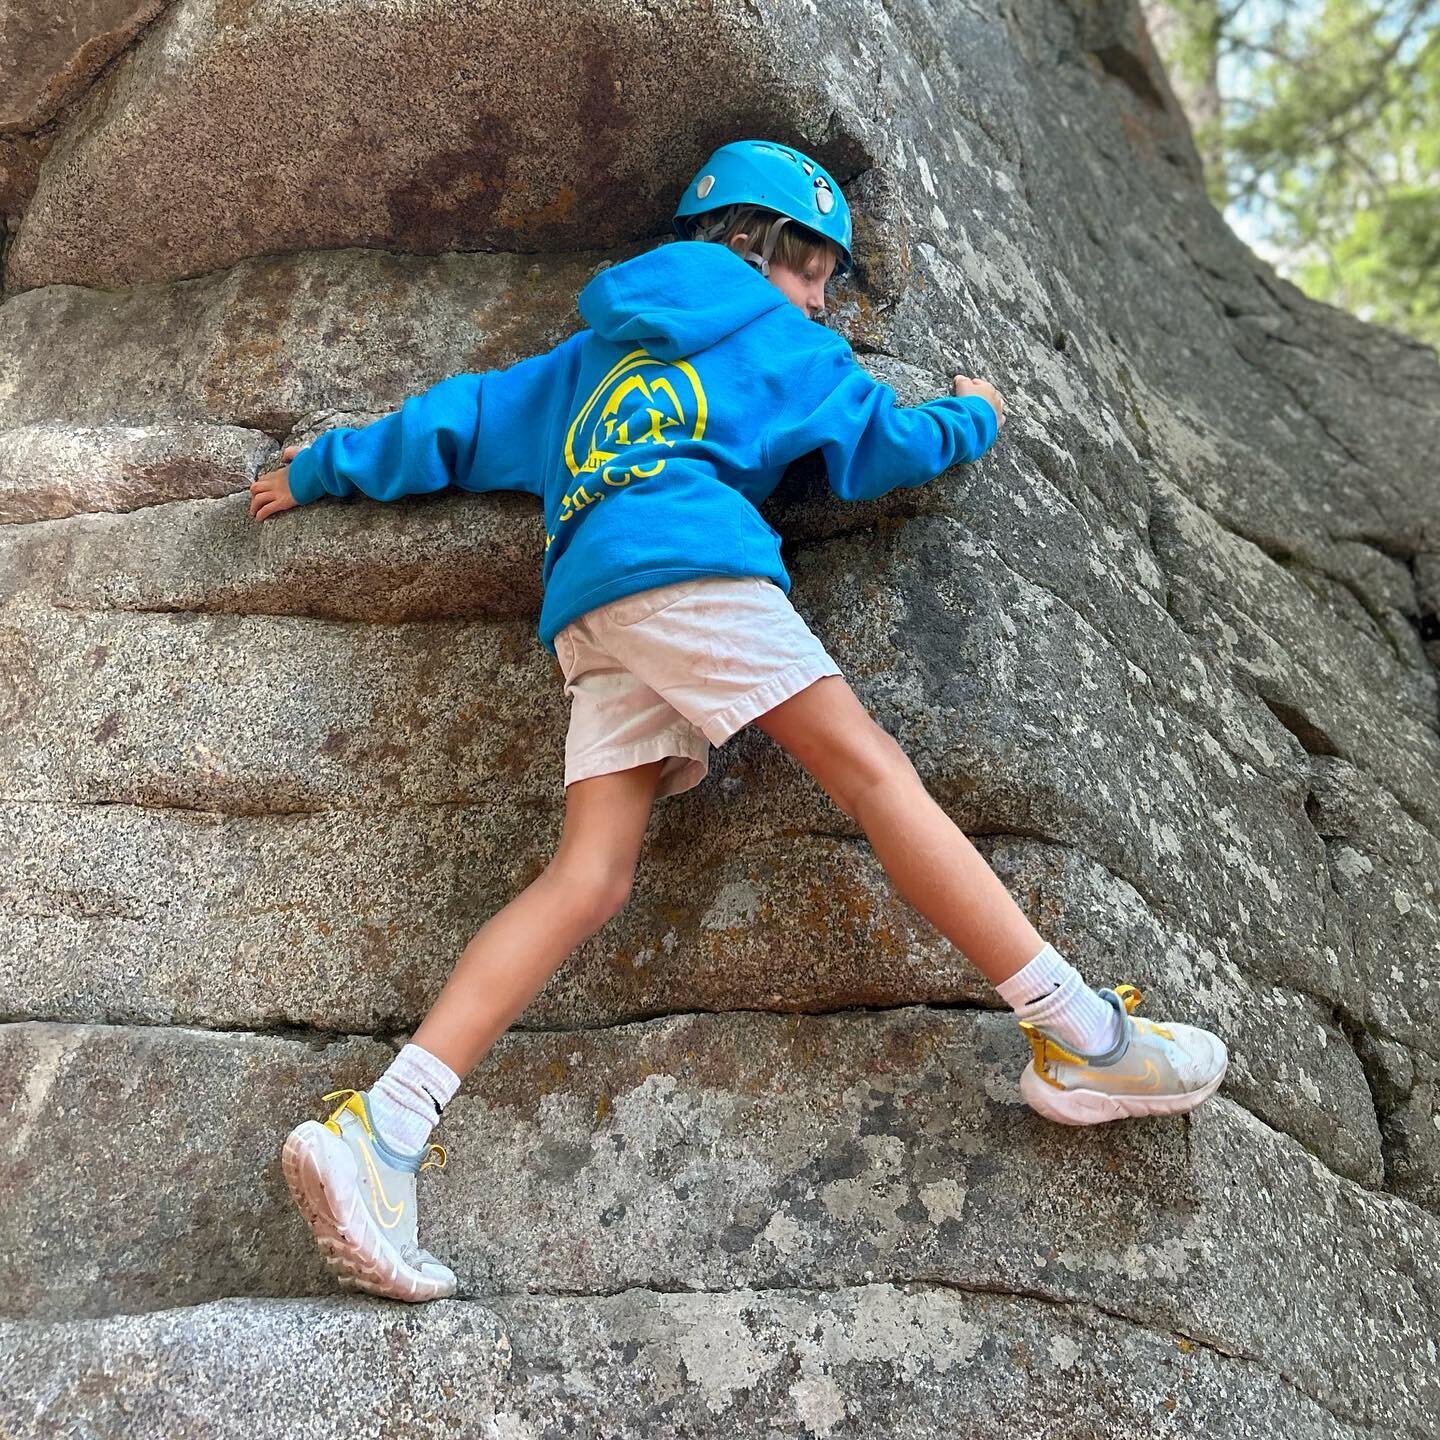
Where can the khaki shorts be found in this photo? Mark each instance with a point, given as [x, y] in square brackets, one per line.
[671, 671]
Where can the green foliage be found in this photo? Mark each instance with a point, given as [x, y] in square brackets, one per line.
[1197, 40]
[1328, 141]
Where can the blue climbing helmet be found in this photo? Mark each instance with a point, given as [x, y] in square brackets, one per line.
[772, 175]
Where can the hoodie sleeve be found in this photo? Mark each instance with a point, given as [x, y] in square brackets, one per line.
[870, 444]
[478, 432]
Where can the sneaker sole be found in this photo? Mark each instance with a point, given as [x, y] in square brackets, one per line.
[323, 1182]
[1094, 1107]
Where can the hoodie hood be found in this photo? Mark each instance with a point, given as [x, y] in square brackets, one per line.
[677, 299]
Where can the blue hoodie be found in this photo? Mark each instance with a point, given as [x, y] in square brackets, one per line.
[652, 436]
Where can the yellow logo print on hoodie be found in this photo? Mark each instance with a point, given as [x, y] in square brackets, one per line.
[642, 405]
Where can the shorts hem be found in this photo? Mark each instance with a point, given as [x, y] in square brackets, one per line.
[718, 728]
[611, 758]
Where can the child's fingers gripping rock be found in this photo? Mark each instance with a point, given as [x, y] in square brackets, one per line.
[270, 492]
[966, 385]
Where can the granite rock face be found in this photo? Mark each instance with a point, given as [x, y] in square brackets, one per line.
[909, 1359]
[48, 471]
[856, 1148]
[755, 1160]
[50, 55]
[553, 126]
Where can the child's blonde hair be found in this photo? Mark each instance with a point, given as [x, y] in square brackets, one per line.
[794, 248]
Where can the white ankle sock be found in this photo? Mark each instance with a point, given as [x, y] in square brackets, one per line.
[1051, 993]
[406, 1101]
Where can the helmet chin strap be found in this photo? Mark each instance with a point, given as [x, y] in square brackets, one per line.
[760, 259]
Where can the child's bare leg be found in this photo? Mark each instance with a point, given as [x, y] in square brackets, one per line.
[1089, 1061]
[354, 1177]
[516, 951]
[926, 855]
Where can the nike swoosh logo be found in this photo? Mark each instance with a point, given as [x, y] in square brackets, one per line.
[377, 1189]
[1147, 1081]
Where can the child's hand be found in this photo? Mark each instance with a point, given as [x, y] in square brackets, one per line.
[964, 385]
[270, 493]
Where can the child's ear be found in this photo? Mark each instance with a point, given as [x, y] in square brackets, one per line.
[739, 243]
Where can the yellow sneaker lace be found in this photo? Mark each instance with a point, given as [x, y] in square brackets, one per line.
[1047, 1051]
[357, 1107]
[1132, 997]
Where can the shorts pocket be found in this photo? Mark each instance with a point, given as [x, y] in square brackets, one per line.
[632, 609]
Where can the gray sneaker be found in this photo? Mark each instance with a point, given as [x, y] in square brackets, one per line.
[1152, 1069]
[358, 1196]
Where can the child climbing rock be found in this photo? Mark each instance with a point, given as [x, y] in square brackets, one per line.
[650, 438]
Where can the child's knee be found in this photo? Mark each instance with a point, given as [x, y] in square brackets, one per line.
[594, 892]
[875, 764]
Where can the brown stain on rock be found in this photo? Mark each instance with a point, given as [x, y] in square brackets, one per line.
[453, 197]
[534, 226]
[334, 742]
[604, 120]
